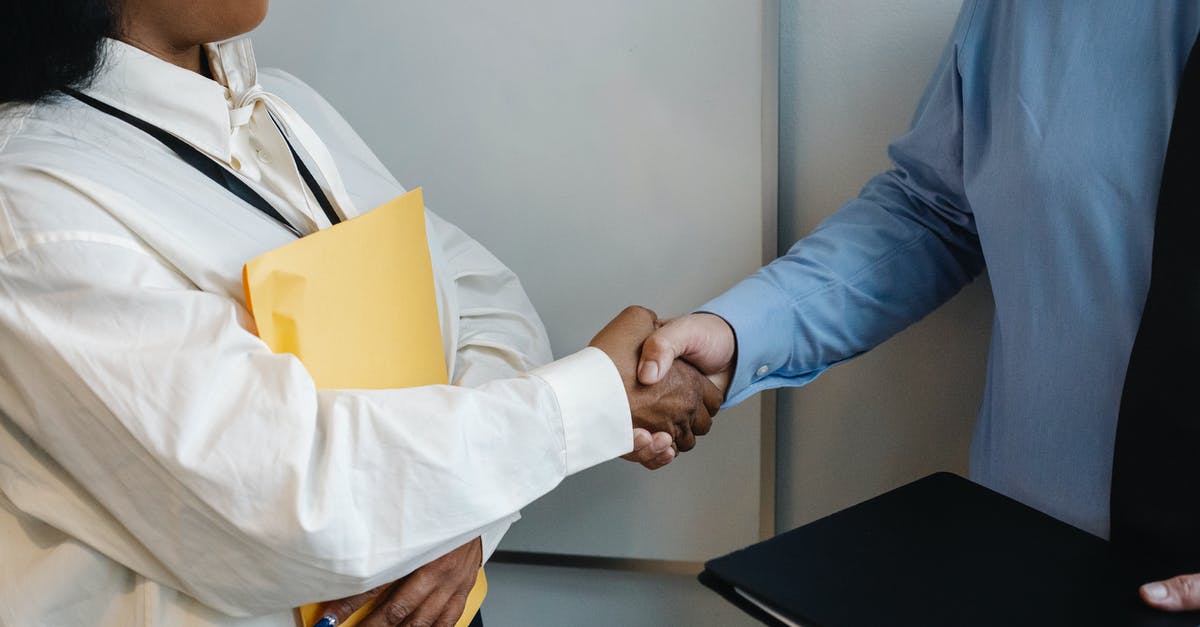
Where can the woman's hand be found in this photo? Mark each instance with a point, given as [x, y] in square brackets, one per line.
[434, 594]
[652, 451]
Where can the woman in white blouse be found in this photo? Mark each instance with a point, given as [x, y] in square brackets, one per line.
[158, 464]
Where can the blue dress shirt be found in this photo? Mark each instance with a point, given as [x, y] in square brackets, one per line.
[1035, 153]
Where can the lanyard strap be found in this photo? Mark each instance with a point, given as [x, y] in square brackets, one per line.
[213, 170]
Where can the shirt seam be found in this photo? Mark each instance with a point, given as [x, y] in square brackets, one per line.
[47, 238]
[961, 42]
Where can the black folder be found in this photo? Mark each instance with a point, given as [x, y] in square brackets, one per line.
[939, 551]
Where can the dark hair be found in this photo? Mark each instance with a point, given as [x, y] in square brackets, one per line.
[46, 45]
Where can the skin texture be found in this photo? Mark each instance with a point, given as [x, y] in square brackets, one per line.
[434, 594]
[174, 30]
[683, 401]
[1176, 594]
[703, 340]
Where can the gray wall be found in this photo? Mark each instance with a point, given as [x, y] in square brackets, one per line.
[610, 153]
[851, 73]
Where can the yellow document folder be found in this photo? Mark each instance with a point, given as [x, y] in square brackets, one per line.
[356, 304]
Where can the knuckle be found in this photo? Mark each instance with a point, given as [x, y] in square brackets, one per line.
[635, 310]
[342, 608]
[395, 612]
[1187, 587]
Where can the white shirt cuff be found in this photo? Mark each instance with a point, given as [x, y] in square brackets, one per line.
[597, 425]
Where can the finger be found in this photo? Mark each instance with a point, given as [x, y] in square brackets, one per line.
[712, 397]
[636, 317]
[660, 442]
[429, 611]
[651, 446]
[702, 339]
[687, 440]
[664, 458]
[1175, 594]
[660, 460]
[641, 439]
[702, 424]
[402, 602]
[336, 612]
[453, 610]
[722, 380]
[660, 350]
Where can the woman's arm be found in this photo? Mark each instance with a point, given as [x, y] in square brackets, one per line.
[245, 486]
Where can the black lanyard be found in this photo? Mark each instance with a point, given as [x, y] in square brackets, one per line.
[213, 170]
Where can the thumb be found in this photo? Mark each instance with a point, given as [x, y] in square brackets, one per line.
[660, 350]
[1175, 594]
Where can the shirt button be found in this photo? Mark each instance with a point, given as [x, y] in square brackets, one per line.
[262, 156]
[237, 165]
[762, 370]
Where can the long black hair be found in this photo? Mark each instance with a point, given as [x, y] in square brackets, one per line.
[46, 45]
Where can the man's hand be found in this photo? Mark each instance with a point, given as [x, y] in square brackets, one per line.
[434, 594]
[1176, 594]
[681, 404]
[704, 340]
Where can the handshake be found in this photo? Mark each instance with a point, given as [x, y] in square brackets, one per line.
[676, 373]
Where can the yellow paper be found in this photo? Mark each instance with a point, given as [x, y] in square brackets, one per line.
[356, 304]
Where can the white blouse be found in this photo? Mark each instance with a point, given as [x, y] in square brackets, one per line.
[158, 464]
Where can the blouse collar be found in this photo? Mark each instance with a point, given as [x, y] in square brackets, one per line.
[183, 103]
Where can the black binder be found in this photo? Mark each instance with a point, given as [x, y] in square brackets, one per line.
[939, 551]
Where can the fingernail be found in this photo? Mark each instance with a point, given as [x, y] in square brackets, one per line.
[648, 371]
[1155, 591]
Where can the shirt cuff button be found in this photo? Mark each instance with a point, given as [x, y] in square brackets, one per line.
[762, 371]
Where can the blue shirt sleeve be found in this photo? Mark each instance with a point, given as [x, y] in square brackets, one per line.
[884, 260]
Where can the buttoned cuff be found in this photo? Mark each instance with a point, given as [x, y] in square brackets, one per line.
[760, 316]
[597, 425]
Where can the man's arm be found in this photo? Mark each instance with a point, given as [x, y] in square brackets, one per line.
[885, 259]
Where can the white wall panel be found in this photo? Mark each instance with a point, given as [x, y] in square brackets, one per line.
[609, 152]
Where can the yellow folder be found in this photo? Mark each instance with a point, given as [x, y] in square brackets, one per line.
[356, 304]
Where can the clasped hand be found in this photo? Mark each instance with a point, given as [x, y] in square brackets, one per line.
[671, 405]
